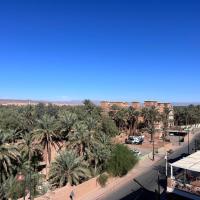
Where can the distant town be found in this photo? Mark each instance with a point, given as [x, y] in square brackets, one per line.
[19, 102]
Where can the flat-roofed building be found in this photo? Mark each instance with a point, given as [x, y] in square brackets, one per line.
[160, 106]
[136, 105]
[150, 103]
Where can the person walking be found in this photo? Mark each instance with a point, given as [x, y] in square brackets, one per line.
[71, 195]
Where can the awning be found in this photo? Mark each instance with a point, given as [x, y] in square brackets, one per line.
[191, 162]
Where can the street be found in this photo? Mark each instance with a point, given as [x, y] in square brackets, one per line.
[149, 179]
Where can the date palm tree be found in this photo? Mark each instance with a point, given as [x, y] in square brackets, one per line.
[133, 116]
[98, 154]
[8, 155]
[151, 117]
[165, 121]
[46, 135]
[68, 168]
[80, 138]
[66, 121]
[120, 117]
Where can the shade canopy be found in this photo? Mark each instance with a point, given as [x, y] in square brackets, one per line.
[191, 162]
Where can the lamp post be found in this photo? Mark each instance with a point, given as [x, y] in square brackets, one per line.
[166, 164]
[188, 132]
[153, 150]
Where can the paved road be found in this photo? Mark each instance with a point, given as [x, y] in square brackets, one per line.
[149, 179]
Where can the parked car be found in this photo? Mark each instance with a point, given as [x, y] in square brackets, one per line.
[134, 140]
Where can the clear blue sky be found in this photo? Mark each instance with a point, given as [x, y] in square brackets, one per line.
[100, 49]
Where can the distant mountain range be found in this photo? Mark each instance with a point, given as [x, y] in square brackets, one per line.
[185, 103]
[33, 102]
[71, 102]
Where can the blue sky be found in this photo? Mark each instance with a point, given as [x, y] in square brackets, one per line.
[100, 49]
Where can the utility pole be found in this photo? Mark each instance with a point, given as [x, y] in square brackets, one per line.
[153, 150]
[166, 164]
[188, 132]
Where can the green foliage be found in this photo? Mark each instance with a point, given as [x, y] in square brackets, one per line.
[45, 134]
[187, 115]
[30, 132]
[151, 116]
[120, 117]
[122, 160]
[15, 189]
[109, 127]
[132, 120]
[68, 168]
[9, 154]
[102, 179]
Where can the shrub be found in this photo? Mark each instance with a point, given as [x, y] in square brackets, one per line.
[121, 161]
[102, 180]
[109, 127]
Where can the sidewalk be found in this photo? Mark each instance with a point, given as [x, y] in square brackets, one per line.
[144, 164]
[91, 190]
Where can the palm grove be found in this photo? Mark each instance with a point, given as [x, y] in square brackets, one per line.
[80, 135]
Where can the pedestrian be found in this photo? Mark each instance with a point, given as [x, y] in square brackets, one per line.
[71, 195]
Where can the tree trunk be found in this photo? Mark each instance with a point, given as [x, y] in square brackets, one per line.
[95, 167]
[81, 149]
[29, 158]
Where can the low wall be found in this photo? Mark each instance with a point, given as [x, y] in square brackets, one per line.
[79, 191]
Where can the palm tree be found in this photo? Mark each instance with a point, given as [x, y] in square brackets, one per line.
[165, 121]
[98, 151]
[104, 139]
[133, 116]
[8, 155]
[46, 136]
[80, 138]
[68, 168]
[28, 146]
[92, 123]
[98, 154]
[12, 135]
[120, 118]
[66, 121]
[151, 117]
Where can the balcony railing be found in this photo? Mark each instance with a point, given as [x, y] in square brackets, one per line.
[192, 187]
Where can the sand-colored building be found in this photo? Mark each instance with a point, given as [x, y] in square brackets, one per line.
[107, 105]
[160, 106]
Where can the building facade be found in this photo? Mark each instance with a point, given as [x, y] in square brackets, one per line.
[107, 106]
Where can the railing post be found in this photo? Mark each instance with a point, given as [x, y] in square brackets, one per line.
[172, 177]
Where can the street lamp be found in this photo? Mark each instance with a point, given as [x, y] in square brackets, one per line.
[153, 150]
[188, 133]
[166, 164]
